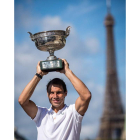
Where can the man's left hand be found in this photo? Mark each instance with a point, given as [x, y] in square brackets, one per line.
[66, 67]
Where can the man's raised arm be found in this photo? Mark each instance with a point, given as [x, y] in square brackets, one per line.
[29, 106]
[83, 100]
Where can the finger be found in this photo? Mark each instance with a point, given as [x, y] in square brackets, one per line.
[44, 73]
[59, 71]
[38, 63]
[65, 61]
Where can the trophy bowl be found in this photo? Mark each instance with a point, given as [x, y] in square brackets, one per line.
[50, 41]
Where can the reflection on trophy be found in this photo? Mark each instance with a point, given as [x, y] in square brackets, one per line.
[50, 41]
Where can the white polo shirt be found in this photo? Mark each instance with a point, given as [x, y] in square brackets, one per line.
[63, 125]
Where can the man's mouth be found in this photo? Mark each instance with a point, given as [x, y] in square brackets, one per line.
[55, 101]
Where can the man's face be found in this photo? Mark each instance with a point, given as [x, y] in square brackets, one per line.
[57, 96]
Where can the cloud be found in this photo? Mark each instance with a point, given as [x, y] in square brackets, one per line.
[89, 131]
[23, 18]
[83, 8]
[53, 23]
[24, 53]
[92, 45]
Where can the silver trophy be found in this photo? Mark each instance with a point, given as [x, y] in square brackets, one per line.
[50, 41]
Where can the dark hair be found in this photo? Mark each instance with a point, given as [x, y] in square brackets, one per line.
[56, 81]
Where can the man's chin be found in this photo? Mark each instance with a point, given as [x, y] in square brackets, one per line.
[56, 104]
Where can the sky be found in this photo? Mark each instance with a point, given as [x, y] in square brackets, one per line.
[85, 50]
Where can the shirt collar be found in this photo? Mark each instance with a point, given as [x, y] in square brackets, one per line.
[60, 111]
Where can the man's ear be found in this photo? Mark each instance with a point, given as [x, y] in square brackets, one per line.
[48, 94]
[65, 93]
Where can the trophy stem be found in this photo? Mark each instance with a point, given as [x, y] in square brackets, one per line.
[51, 52]
[52, 56]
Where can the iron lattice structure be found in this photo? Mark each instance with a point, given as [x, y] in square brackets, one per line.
[112, 121]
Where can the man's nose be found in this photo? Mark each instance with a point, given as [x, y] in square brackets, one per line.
[55, 95]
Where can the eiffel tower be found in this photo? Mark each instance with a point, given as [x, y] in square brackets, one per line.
[112, 121]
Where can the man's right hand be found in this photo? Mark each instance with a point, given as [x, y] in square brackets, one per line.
[38, 70]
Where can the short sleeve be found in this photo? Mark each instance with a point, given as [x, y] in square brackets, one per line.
[38, 114]
[78, 116]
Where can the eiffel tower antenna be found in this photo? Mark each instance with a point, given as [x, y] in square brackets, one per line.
[108, 3]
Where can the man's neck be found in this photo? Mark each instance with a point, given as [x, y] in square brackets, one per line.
[56, 109]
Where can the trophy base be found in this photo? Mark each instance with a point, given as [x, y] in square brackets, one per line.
[51, 65]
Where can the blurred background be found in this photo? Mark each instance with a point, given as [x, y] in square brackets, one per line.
[85, 50]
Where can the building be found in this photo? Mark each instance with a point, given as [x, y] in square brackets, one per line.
[112, 121]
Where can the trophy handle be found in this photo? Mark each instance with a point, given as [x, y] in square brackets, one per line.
[67, 31]
[31, 36]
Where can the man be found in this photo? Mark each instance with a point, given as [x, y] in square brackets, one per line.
[60, 122]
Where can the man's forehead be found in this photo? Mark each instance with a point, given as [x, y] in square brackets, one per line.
[54, 86]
